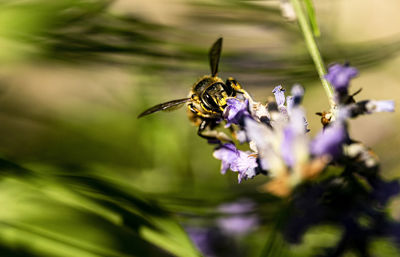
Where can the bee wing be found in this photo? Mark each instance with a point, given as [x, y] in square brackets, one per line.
[214, 55]
[168, 106]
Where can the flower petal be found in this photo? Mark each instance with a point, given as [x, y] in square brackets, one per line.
[287, 146]
[279, 93]
[340, 75]
[245, 165]
[330, 140]
[227, 153]
[380, 106]
[235, 111]
[266, 142]
[238, 224]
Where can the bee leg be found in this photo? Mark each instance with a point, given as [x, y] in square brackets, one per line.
[211, 135]
[202, 128]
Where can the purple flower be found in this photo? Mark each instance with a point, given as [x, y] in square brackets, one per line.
[238, 220]
[330, 140]
[279, 93]
[238, 224]
[237, 161]
[227, 153]
[280, 98]
[380, 106]
[339, 76]
[235, 111]
[245, 165]
[248, 173]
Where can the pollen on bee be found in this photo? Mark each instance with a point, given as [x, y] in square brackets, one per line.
[222, 102]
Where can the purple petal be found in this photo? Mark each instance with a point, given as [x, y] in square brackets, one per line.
[298, 120]
[261, 137]
[247, 174]
[235, 110]
[289, 104]
[236, 160]
[287, 146]
[294, 138]
[329, 141]
[340, 75]
[238, 224]
[343, 113]
[284, 112]
[380, 106]
[241, 136]
[279, 93]
[245, 165]
[227, 154]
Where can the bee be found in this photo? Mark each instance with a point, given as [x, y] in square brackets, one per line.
[206, 101]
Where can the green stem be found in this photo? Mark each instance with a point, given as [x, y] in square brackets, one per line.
[312, 48]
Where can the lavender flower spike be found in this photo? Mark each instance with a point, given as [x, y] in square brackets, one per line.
[340, 75]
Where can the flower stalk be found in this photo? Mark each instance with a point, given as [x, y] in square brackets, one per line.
[312, 48]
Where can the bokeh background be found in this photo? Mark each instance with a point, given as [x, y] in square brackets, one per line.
[81, 176]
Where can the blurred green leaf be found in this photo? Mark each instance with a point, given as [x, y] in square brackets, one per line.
[70, 215]
[384, 248]
[316, 240]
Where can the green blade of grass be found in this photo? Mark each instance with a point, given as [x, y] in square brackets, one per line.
[312, 48]
[312, 18]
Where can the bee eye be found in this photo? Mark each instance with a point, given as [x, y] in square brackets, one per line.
[209, 101]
